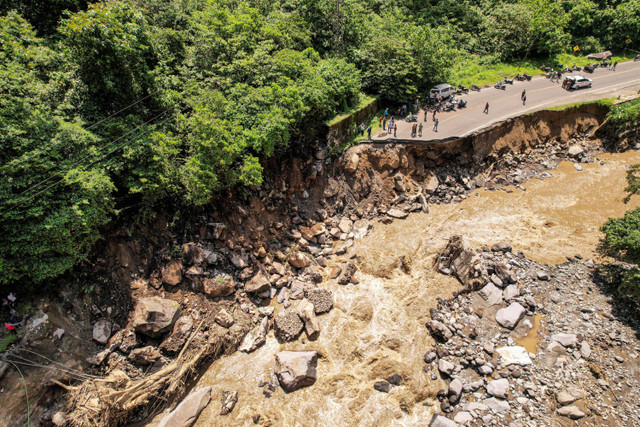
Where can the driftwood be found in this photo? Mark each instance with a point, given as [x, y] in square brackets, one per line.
[111, 401]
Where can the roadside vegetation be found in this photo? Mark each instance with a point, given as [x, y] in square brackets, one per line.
[111, 111]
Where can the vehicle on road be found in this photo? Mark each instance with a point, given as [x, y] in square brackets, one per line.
[500, 85]
[636, 59]
[523, 77]
[443, 91]
[576, 82]
[475, 87]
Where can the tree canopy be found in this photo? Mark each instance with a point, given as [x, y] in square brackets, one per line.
[146, 103]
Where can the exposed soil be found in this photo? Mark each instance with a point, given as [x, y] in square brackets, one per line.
[258, 237]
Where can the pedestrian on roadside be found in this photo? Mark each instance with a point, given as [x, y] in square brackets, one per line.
[369, 132]
[615, 64]
[425, 113]
[395, 130]
[414, 130]
[420, 129]
[486, 108]
[362, 128]
[393, 119]
[390, 128]
[524, 100]
[434, 115]
[524, 93]
[12, 299]
[380, 120]
[435, 125]
[386, 113]
[384, 124]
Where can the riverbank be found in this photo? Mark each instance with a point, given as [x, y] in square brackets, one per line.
[292, 245]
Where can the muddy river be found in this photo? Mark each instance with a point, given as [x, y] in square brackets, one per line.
[376, 328]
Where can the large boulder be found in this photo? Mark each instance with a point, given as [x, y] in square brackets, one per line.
[439, 330]
[154, 316]
[296, 369]
[181, 331]
[258, 283]
[188, 411]
[498, 388]
[461, 260]
[322, 299]
[194, 253]
[172, 273]
[144, 355]
[299, 260]
[442, 421]
[347, 273]
[102, 331]
[256, 337]
[288, 325]
[431, 182]
[351, 164]
[221, 285]
[308, 316]
[510, 316]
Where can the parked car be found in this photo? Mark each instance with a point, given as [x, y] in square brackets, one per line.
[576, 82]
[443, 91]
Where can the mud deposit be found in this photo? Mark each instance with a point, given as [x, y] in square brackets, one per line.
[377, 327]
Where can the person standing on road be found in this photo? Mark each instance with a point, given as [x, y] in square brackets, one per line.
[369, 132]
[434, 115]
[380, 120]
[435, 125]
[386, 113]
[486, 108]
[362, 128]
[395, 130]
[524, 93]
[425, 113]
[615, 64]
[524, 99]
[413, 130]
[389, 128]
[420, 129]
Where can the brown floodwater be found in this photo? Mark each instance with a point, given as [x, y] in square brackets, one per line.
[376, 328]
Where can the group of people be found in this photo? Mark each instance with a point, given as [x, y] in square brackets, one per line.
[9, 304]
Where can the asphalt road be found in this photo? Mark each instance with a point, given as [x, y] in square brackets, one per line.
[541, 94]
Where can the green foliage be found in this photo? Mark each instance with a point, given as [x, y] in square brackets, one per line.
[138, 105]
[109, 49]
[6, 341]
[625, 114]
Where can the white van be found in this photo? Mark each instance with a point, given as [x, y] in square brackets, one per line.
[441, 91]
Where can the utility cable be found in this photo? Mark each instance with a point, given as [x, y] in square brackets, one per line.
[26, 391]
[18, 161]
[92, 163]
[79, 161]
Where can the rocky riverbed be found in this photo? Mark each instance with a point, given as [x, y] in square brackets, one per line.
[534, 346]
[324, 284]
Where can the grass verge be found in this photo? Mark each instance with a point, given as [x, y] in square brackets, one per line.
[482, 71]
[364, 101]
[606, 102]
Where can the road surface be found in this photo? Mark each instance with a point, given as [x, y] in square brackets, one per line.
[541, 94]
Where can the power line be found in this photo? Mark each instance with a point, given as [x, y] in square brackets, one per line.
[19, 161]
[95, 161]
[89, 155]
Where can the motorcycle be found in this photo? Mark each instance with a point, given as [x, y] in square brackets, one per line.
[449, 106]
[475, 87]
[500, 85]
[636, 59]
[462, 103]
[412, 118]
[462, 89]
[588, 69]
[508, 81]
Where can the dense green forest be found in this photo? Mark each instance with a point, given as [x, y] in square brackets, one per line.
[133, 105]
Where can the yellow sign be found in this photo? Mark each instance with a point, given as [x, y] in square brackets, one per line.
[628, 41]
[576, 48]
